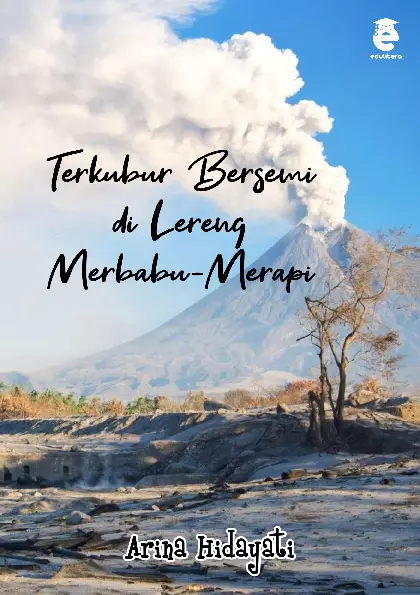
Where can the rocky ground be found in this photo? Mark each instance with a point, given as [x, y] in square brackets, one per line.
[354, 515]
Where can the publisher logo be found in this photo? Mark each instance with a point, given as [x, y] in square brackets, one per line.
[385, 33]
[384, 37]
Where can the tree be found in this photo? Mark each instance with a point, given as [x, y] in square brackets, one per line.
[344, 322]
[141, 405]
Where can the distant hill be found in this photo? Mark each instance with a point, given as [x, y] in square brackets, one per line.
[16, 379]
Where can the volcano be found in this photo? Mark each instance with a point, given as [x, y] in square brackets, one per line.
[231, 337]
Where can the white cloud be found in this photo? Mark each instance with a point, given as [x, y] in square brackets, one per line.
[112, 77]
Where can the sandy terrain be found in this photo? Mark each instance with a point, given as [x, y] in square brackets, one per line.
[349, 530]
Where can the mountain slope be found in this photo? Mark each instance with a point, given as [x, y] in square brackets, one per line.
[16, 379]
[229, 337]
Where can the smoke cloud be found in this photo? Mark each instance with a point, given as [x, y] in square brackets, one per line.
[112, 77]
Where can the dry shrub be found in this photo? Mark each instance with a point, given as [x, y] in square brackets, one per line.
[163, 403]
[373, 385]
[17, 403]
[239, 398]
[194, 401]
[114, 407]
[294, 393]
[14, 406]
[92, 406]
[173, 406]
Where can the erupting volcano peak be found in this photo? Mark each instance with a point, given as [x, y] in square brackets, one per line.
[231, 337]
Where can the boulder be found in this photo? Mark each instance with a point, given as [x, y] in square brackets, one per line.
[393, 401]
[76, 518]
[14, 495]
[408, 410]
[294, 473]
[211, 405]
[364, 398]
[168, 502]
[126, 490]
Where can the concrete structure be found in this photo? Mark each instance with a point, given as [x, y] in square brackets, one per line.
[59, 468]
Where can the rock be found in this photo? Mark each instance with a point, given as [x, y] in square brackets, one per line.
[408, 411]
[294, 473]
[104, 508]
[351, 472]
[329, 474]
[76, 518]
[220, 485]
[364, 398]
[76, 448]
[211, 405]
[282, 408]
[387, 481]
[169, 502]
[126, 490]
[238, 493]
[14, 494]
[394, 401]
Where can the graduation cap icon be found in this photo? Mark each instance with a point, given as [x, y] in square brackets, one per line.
[386, 22]
[384, 25]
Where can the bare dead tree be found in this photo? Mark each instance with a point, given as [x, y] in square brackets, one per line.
[317, 322]
[343, 323]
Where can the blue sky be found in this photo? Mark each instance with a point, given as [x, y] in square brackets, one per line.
[374, 102]
[374, 137]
